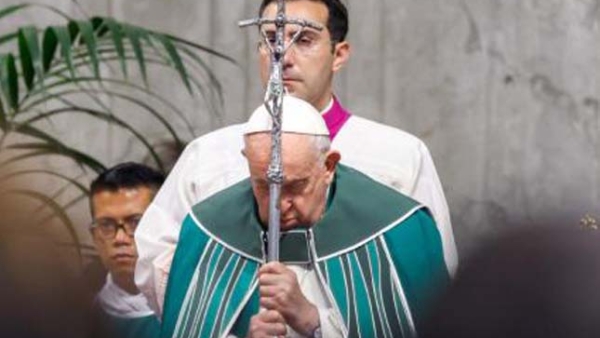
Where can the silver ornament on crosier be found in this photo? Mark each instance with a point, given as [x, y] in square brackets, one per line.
[273, 102]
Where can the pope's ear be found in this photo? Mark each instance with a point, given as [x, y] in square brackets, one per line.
[331, 160]
[243, 151]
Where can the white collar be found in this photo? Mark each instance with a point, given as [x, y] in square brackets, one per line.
[117, 302]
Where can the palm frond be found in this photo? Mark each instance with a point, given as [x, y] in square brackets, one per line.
[47, 69]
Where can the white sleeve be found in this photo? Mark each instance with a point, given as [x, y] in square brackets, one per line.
[207, 165]
[428, 190]
[158, 232]
[330, 326]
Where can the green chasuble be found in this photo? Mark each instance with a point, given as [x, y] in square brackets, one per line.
[377, 252]
[138, 327]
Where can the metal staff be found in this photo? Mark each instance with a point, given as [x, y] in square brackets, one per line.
[273, 103]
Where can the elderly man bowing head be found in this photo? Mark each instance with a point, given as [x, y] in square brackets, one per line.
[357, 257]
[309, 167]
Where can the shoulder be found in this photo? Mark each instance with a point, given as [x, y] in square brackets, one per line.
[225, 199]
[230, 135]
[356, 199]
[415, 235]
[229, 217]
[363, 190]
[210, 163]
[221, 145]
[387, 154]
[371, 129]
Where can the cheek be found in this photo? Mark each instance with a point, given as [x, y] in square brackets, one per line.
[103, 249]
[264, 65]
[262, 201]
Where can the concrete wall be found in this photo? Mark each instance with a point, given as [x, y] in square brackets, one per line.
[505, 93]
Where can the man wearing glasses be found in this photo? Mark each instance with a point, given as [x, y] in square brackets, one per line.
[119, 197]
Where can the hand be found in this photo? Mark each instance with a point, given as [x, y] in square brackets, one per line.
[280, 291]
[267, 324]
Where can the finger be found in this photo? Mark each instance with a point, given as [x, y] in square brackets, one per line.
[269, 304]
[276, 329]
[271, 278]
[273, 323]
[272, 267]
[265, 291]
[266, 325]
[271, 316]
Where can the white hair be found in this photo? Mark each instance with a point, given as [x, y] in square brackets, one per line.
[322, 145]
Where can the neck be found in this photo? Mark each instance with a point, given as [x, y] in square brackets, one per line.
[324, 104]
[327, 107]
[126, 283]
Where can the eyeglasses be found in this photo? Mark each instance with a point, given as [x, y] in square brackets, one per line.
[108, 227]
[305, 42]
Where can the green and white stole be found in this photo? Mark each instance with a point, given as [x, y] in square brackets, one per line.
[377, 253]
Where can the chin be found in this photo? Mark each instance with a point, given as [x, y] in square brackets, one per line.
[123, 273]
[123, 267]
[288, 225]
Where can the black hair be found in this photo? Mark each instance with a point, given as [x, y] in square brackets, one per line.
[127, 175]
[337, 20]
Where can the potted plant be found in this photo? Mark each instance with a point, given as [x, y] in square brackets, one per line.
[76, 69]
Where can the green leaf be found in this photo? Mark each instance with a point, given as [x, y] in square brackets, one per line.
[116, 33]
[56, 148]
[29, 49]
[129, 98]
[73, 30]
[9, 81]
[175, 59]
[49, 44]
[57, 211]
[213, 81]
[106, 117]
[89, 39]
[68, 82]
[135, 34]
[64, 39]
[98, 25]
[9, 10]
[200, 47]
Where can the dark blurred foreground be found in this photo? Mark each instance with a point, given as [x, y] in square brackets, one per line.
[41, 295]
[539, 282]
